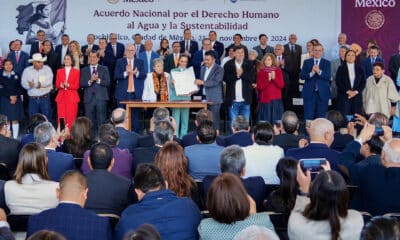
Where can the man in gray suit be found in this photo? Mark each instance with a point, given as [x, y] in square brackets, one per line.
[263, 48]
[210, 82]
[95, 79]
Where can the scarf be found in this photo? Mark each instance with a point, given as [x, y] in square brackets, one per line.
[160, 86]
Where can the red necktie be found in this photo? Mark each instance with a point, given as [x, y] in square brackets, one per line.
[17, 56]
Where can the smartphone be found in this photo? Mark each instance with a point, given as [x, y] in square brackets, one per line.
[312, 164]
[378, 130]
[62, 124]
[350, 118]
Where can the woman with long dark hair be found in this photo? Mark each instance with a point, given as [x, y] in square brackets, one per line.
[324, 213]
[81, 137]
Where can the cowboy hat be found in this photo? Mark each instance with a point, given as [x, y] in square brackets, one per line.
[37, 57]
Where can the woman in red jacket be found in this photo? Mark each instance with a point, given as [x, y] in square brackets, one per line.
[67, 83]
[269, 85]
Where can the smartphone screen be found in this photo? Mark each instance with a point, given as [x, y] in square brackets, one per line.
[312, 164]
[62, 124]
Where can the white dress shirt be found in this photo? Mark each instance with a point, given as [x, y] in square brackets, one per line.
[238, 86]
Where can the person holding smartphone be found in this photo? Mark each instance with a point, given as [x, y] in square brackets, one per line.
[67, 83]
[269, 85]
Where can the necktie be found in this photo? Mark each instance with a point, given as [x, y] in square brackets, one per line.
[40, 47]
[94, 71]
[187, 46]
[372, 61]
[316, 84]
[316, 61]
[148, 62]
[137, 49]
[292, 48]
[131, 87]
[176, 60]
[114, 50]
[17, 56]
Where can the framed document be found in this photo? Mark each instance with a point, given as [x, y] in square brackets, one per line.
[184, 82]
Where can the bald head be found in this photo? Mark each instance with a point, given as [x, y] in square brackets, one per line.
[118, 116]
[73, 187]
[321, 130]
[391, 152]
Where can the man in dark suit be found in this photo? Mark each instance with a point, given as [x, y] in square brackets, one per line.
[241, 135]
[114, 51]
[163, 133]
[62, 49]
[316, 91]
[139, 47]
[240, 75]
[378, 183]
[86, 49]
[289, 136]
[9, 147]
[198, 59]
[119, 190]
[70, 218]
[127, 139]
[188, 46]
[369, 62]
[58, 162]
[148, 55]
[292, 55]
[130, 69]
[95, 80]
[36, 46]
[19, 59]
[215, 44]
[233, 160]
[321, 133]
[394, 65]
[210, 82]
[171, 61]
[263, 47]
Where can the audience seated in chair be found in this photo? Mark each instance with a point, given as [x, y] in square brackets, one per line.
[122, 157]
[342, 135]
[262, 156]
[241, 135]
[232, 160]
[109, 193]
[127, 139]
[156, 204]
[9, 149]
[70, 218]
[289, 132]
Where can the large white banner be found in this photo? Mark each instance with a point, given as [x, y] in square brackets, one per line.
[157, 19]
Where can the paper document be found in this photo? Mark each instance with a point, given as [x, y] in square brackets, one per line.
[184, 82]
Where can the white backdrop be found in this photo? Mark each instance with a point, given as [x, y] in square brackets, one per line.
[277, 18]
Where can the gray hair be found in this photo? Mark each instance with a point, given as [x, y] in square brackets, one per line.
[319, 127]
[43, 133]
[290, 121]
[232, 160]
[118, 116]
[253, 52]
[158, 61]
[163, 132]
[391, 153]
[160, 114]
[256, 233]
[240, 123]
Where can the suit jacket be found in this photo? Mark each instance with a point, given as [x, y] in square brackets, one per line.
[242, 139]
[340, 141]
[59, 163]
[194, 47]
[143, 56]
[58, 50]
[322, 82]
[72, 221]
[141, 49]
[248, 78]
[367, 65]
[52, 61]
[23, 61]
[122, 81]
[219, 48]
[127, 139]
[119, 192]
[95, 47]
[259, 51]
[315, 150]
[34, 48]
[197, 60]
[6, 234]
[287, 141]
[95, 90]
[9, 151]
[144, 155]
[255, 187]
[394, 65]
[69, 95]
[148, 141]
[169, 63]
[213, 83]
[109, 58]
[343, 85]
[190, 139]
[292, 60]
